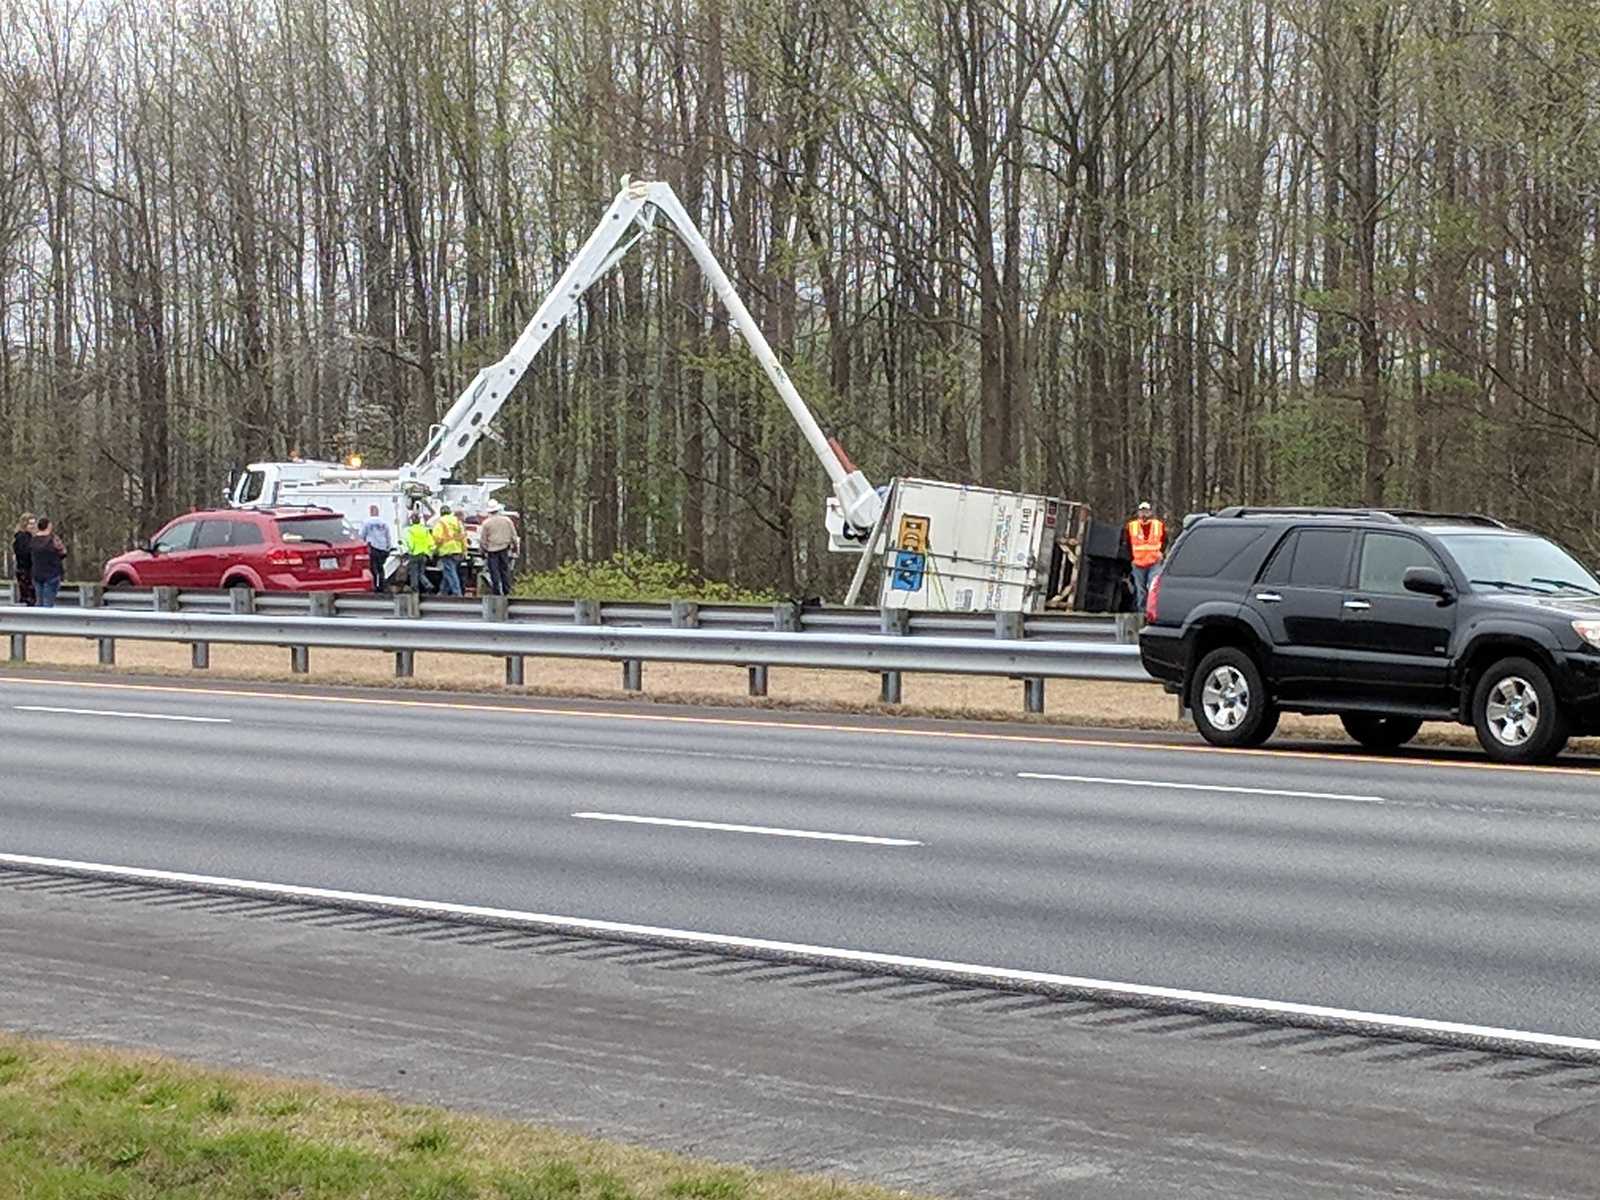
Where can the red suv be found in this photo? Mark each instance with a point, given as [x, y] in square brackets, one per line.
[273, 550]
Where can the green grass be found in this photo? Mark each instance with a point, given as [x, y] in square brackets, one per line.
[82, 1124]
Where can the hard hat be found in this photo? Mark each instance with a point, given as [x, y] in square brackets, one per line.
[1144, 506]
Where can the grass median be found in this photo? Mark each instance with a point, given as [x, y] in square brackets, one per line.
[85, 1124]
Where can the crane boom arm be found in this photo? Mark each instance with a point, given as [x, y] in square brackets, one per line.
[631, 216]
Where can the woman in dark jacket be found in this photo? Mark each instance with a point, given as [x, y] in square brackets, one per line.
[22, 559]
[46, 559]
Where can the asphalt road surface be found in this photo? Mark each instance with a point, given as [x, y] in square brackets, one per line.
[951, 1093]
[1452, 891]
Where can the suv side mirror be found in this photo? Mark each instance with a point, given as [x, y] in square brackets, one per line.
[1429, 581]
[147, 545]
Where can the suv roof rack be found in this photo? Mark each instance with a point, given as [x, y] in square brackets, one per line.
[1253, 510]
[1454, 518]
[1395, 516]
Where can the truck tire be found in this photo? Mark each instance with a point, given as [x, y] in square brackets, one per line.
[1229, 700]
[1378, 732]
[1516, 713]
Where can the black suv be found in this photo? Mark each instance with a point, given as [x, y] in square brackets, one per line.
[1383, 618]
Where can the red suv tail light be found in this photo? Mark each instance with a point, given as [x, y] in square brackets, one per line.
[282, 556]
[1151, 599]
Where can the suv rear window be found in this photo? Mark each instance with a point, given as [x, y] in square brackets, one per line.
[1215, 551]
[212, 534]
[312, 529]
[1322, 558]
[1311, 558]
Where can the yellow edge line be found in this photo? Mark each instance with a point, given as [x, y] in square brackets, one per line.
[812, 726]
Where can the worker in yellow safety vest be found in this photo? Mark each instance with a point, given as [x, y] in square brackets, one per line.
[419, 550]
[1147, 539]
[449, 543]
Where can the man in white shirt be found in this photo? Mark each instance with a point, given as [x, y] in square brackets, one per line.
[375, 532]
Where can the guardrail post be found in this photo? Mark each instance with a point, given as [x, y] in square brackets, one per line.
[19, 647]
[686, 614]
[587, 612]
[1128, 625]
[241, 601]
[200, 655]
[320, 605]
[1009, 625]
[897, 622]
[498, 608]
[785, 619]
[92, 595]
[407, 607]
[162, 599]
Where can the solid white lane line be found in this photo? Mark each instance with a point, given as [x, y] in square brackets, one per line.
[765, 829]
[111, 712]
[950, 969]
[1202, 787]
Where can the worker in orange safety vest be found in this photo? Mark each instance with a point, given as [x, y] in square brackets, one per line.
[1147, 539]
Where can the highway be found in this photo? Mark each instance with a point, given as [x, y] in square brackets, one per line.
[1446, 890]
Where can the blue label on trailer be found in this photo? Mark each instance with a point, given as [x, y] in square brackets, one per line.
[908, 569]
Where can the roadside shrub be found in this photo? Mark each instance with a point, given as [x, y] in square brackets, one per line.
[633, 576]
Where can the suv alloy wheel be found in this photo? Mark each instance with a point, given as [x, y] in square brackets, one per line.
[1516, 713]
[1229, 700]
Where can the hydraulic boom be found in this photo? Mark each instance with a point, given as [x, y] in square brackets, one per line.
[632, 215]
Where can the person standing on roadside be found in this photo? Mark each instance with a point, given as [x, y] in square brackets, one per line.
[497, 536]
[22, 560]
[47, 556]
[1147, 539]
[419, 549]
[450, 543]
[375, 532]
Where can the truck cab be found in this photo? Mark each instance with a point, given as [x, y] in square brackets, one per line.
[260, 484]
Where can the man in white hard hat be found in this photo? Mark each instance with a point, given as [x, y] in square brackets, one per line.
[497, 538]
[1147, 540]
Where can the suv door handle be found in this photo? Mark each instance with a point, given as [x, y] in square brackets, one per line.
[1357, 605]
[1268, 597]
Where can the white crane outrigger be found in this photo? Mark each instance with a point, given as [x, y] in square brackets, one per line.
[632, 216]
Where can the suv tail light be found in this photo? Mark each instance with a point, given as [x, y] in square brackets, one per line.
[282, 556]
[1151, 599]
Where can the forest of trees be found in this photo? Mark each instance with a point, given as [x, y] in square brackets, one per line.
[1208, 251]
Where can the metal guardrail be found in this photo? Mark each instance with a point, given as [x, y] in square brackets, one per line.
[664, 614]
[514, 631]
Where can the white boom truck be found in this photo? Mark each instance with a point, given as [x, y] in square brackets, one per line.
[1003, 559]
